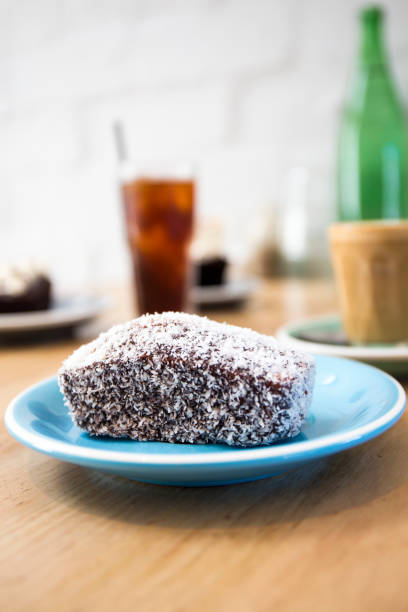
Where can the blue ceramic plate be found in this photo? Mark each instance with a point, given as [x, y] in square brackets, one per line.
[352, 403]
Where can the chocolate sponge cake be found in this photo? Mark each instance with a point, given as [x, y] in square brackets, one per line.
[24, 288]
[176, 377]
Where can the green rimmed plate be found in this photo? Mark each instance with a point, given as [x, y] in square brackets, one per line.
[325, 336]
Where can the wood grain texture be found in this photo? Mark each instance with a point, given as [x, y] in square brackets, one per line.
[332, 536]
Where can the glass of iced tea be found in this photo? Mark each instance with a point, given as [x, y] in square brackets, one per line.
[159, 214]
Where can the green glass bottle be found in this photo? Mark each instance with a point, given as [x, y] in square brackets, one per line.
[373, 152]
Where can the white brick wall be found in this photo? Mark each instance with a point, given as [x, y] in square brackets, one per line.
[246, 88]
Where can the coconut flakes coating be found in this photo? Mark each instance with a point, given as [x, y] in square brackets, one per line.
[176, 377]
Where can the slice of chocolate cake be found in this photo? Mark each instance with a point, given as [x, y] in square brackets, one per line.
[24, 288]
[177, 377]
[210, 271]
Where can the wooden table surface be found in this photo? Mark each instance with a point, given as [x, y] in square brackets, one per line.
[333, 536]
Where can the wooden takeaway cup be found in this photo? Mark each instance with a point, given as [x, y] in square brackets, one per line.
[370, 260]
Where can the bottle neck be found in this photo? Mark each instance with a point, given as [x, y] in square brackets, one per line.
[371, 81]
[372, 50]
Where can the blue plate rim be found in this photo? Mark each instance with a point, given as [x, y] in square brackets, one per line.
[302, 450]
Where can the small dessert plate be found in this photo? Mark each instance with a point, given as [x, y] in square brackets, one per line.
[325, 336]
[352, 403]
[64, 312]
[232, 292]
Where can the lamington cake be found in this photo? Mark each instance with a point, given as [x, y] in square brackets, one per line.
[176, 377]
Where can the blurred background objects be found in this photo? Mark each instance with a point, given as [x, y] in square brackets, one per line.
[251, 91]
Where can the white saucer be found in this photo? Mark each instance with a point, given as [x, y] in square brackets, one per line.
[324, 336]
[66, 311]
[231, 292]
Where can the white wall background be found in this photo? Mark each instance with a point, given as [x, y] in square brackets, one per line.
[247, 88]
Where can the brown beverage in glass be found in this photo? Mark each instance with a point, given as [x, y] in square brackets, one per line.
[159, 220]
